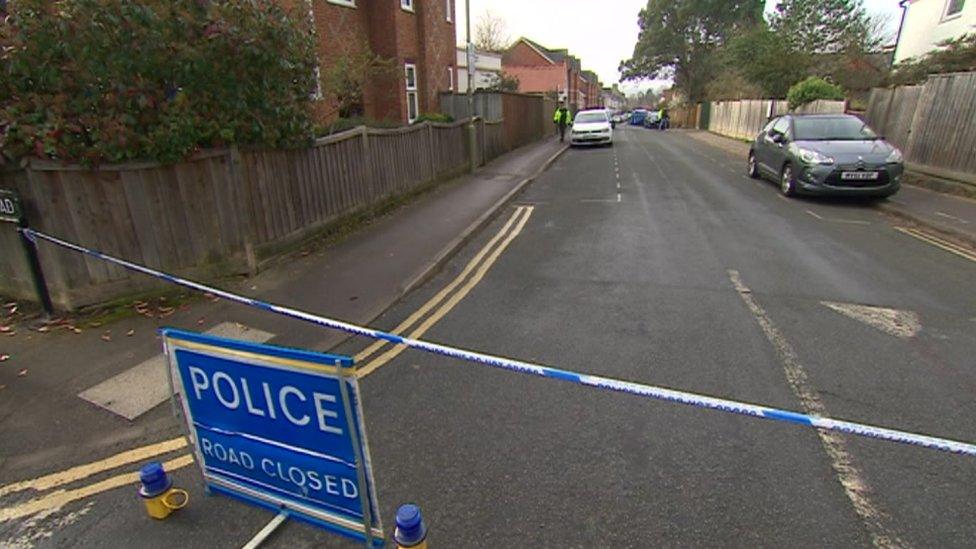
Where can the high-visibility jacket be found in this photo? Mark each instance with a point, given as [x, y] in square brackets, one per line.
[562, 116]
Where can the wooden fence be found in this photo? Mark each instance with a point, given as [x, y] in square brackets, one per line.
[221, 211]
[934, 124]
[743, 119]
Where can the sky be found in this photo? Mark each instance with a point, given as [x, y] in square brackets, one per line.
[598, 34]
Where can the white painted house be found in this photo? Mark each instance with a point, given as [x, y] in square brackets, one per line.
[487, 67]
[928, 22]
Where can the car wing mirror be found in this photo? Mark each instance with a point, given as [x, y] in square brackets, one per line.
[778, 138]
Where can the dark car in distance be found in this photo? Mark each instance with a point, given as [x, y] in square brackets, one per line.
[826, 154]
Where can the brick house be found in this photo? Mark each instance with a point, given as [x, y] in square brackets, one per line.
[542, 70]
[592, 88]
[416, 36]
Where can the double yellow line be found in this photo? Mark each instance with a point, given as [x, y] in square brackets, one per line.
[61, 497]
[427, 315]
[939, 242]
[447, 298]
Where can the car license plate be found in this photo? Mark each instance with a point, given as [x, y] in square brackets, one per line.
[859, 176]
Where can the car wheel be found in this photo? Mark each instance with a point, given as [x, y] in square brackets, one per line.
[753, 167]
[787, 184]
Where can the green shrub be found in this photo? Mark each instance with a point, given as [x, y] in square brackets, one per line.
[812, 89]
[114, 80]
[435, 117]
[343, 124]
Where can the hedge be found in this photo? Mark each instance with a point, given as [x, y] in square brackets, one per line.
[113, 80]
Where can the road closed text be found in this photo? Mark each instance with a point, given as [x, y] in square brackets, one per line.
[300, 479]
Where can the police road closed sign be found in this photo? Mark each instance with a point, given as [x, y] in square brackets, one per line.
[270, 426]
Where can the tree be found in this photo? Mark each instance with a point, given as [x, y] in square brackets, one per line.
[680, 38]
[760, 57]
[491, 33]
[346, 77]
[825, 26]
[504, 82]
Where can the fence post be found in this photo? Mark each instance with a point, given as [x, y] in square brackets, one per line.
[367, 159]
[484, 142]
[430, 146]
[250, 237]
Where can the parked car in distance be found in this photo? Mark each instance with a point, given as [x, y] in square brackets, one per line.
[637, 117]
[591, 127]
[826, 154]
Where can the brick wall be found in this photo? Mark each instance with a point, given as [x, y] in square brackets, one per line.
[423, 37]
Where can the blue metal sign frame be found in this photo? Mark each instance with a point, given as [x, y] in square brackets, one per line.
[277, 427]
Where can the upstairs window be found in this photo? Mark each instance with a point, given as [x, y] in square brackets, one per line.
[954, 8]
[349, 3]
[406, 5]
[448, 4]
[450, 78]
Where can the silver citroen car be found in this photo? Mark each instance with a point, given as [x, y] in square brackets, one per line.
[826, 154]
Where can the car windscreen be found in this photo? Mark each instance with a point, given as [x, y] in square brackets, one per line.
[831, 129]
[590, 117]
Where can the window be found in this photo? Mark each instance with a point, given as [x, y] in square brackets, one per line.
[782, 126]
[450, 78]
[410, 75]
[350, 3]
[954, 8]
[448, 4]
[406, 4]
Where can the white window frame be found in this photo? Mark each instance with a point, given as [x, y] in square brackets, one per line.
[413, 97]
[448, 4]
[450, 78]
[946, 16]
[407, 5]
[346, 3]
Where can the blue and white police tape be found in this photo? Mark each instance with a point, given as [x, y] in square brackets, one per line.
[649, 391]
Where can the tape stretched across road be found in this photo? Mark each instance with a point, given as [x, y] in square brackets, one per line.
[648, 391]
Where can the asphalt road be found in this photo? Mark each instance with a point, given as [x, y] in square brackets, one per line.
[689, 276]
[640, 290]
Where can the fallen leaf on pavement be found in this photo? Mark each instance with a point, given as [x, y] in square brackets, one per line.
[13, 309]
[200, 322]
[11, 333]
[43, 329]
[76, 330]
[2, 387]
[4, 358]
[10, 304]
[130, 333]
[107, 336]
[4, 328]
[22, 373]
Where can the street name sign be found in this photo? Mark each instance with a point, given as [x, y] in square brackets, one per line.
[10, 206]
[277, 427]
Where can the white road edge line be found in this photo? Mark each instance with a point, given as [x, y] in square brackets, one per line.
[814, 214]
[841, 460]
